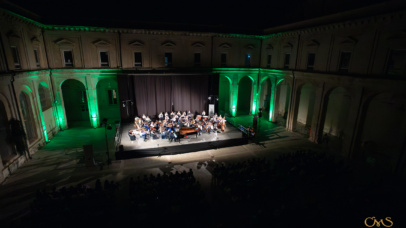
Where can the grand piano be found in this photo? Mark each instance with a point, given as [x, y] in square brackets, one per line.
[187, 131]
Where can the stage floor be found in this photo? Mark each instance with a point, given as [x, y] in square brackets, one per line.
[140, 148]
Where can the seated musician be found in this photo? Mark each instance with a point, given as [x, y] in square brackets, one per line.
[172, 114]
[203, 113]
[179, 114]
[143, 116]
[148, 119]
[189, 113]
[215, 116]
[184, 114]
[166, 114]
[161, 116]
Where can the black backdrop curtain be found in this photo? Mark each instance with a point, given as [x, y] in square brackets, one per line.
[154, 94]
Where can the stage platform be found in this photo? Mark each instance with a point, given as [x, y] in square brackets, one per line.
[157, 147]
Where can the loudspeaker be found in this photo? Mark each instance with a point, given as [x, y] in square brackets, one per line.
[254, 122]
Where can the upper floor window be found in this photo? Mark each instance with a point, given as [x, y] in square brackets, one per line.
[104, 59]
[16, 57]
[344, 62]
[223, 61]
[310, 61]
[286, 64]
[37, 63]
[247, 60]
[137, 59]
[268, 61]
[197, 59]
[112, 96]
[168, 59]
[396, 63]
[68, 58]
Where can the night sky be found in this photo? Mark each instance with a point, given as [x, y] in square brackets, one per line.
[202, 15]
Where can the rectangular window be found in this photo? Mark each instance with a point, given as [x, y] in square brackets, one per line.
[137, 59]
[310, 61]
[268, 61]
[197, 59]
[16, 57]
[112, 97]
[168, 59]
[104, 59]
[286, 64]
[68, 58]
[247, 60]
[344, 62]
[36, 58]
[396, 63]
[223, 62]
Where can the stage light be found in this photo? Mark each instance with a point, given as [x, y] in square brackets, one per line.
[209, 98]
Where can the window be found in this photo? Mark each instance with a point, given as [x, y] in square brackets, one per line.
[247, 60]
[168, 59]
[16, 57]
[287, 61]
[68, 58]
[112, 96]
[36, 58]
[137, 59]
[396, 63]
[268, 61]
[104, 59]
[344, 62]
[197, 59]
[223, 62]
[310, 61]
[44, 98]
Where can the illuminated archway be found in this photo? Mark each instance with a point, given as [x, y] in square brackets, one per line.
[244, 96]
[305, 109]
[75, 103]
[27, 116]
[224, 95]
[265, 96]
[107, 99]
[282, 102]
[336, 114]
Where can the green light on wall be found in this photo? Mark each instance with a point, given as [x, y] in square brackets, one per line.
[254, 106]
[233, 111]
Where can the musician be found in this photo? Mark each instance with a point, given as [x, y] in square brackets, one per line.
[215, 116]
[161, 116]
[172, 114]
[203, 113]
[166, 118]
[143, 116]
[148, 119]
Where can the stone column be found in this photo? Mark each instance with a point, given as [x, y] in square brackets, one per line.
[92, 104]
[234, 95]
[319, 114]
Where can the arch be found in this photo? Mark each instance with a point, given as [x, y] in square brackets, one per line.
[27, 115]
[383, 112]
[224, 94]
[27, 89]
[44, 84]
[229, 79]
[265, 95]
[250, 77]
[107, 99]
[335, 112]
[305, 98]
[75, 103]
[245, 94]
[282, 101]
[7, 151]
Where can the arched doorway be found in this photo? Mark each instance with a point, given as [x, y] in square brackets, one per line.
[224, 95]
[265, 97]
[6, 150]
[336, 114]
[244, 96]
[305, 109]
[283, 92]
[383, 131]
[107, 99]
[28, 117]
[75, 103]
